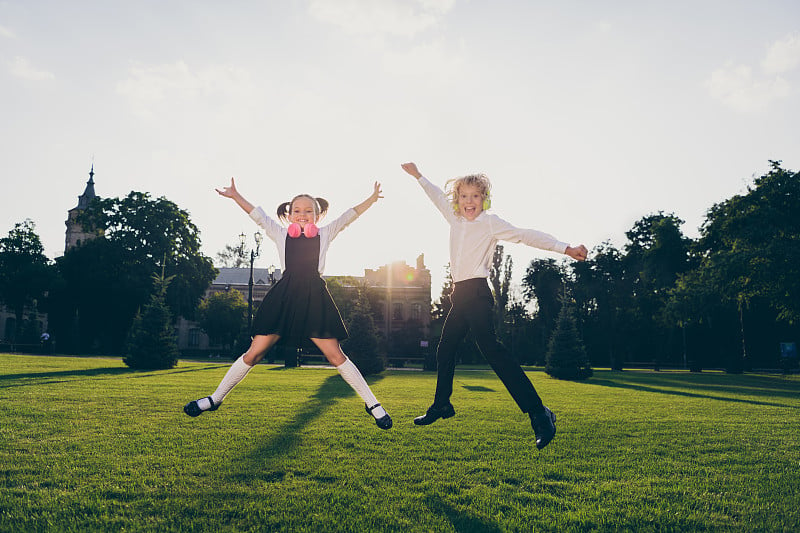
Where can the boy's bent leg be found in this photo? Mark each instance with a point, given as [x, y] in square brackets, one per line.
[506, 367]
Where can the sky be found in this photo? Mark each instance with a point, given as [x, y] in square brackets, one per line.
[586, 116]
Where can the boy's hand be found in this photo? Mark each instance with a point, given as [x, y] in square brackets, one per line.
[411, 168]
[578, 253]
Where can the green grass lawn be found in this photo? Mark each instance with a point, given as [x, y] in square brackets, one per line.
[88, 445]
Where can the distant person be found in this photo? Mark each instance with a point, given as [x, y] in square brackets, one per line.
[473, 236]
[299, 306]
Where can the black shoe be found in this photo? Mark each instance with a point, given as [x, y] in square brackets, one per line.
[544, 426]
[192, 409]
[435, 413]
[384, 422]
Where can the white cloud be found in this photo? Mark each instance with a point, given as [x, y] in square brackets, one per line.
[783, 56]
[390, 17]
[429, 61]
[156, 89]
[6, 33]
[19, 67]
[737, 87]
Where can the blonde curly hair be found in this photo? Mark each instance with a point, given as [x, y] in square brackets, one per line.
[479, 181]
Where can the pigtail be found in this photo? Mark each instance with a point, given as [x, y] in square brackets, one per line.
[283, 211]
[323, 206]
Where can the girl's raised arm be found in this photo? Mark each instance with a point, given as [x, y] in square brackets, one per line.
[366, 204]
[231, 192]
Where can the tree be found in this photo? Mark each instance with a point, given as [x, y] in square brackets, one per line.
[157, 233]
[752, 242]
[566, 355]
[152, 344]
[656, 254]
[230, 257]
[361, 345]
[544, 282]
[603, 298]
[746, 281]
[222, 317]
[25, 272]
[500, 279]
[108, 278]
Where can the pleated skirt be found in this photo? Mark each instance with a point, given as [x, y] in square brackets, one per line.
[297, 308]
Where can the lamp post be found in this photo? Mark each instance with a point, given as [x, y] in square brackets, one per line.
[253, 254]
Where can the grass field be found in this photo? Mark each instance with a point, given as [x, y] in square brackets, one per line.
[88, 445]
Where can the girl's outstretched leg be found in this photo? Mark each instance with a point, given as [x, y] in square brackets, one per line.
[236, 373]
[350, 373]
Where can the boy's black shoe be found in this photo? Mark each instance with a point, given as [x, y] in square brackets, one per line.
[192, 409]
[384, 422]
[435, 413]
[544, 426]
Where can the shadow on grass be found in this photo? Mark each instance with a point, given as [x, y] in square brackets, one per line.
[287, 437]
[477, 388]
[653, 382]
[458, 519]
[36, 377]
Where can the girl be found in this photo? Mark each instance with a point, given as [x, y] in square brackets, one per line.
[473, 236]
[299, 306]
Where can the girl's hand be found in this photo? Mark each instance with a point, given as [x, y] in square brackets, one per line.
[376, 193]
[411, 168]
[228, 192]
[578, 253]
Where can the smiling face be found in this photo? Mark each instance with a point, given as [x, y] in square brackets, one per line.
[303, 211]
[470, 201]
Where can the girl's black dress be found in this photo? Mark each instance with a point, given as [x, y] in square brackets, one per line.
[299, 306]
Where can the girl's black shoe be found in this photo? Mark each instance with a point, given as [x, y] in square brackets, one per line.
[384, 422]
[192, 409]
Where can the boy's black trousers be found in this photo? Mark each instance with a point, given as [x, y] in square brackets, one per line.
[472, 311]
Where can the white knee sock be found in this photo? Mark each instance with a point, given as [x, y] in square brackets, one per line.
[235, 374]
[353, 377]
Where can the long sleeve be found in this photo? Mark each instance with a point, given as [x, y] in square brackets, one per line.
[504, 231]
[439, 199]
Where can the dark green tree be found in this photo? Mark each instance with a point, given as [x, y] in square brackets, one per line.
[748, 255]
[752, 241]
[500, 279]
[222, 316]
[543, 283]
[656, 254]
[361, 346]
[25, 272]
[566, 355]
[105, 280]
[152, 344]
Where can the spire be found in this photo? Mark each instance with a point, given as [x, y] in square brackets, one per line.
[88, 194]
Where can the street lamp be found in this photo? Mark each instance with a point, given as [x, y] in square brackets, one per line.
[253, 254]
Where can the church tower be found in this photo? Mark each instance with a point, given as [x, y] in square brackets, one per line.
[75, 232]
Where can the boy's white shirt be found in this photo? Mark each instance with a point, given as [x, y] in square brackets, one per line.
[277, 232]
[472, 243]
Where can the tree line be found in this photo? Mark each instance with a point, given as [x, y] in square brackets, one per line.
[725, 299]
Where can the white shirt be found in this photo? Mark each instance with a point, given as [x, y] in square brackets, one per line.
[472, 242]
[277, 232]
